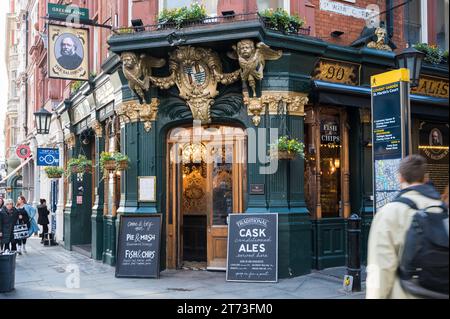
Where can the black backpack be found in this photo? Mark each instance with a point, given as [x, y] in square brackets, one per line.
[423, 268]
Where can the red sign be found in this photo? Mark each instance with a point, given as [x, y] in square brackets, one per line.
[23, 151]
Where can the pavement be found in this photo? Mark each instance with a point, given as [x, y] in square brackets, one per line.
[55, 273]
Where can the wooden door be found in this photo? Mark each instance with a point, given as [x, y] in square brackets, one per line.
[222, 194]
[226, 178]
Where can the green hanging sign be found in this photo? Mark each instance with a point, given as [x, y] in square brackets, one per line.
[71, 13]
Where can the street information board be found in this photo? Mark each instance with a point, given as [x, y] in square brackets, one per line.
[252, 253]
[390, 133]
[138, 249]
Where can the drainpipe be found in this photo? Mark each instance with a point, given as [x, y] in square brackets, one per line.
[26, 78]
[389, 19]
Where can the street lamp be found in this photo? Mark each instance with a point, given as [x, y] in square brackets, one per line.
[410, 59]
[43, 121]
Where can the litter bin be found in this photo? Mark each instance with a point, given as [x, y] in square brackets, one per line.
[7, 272]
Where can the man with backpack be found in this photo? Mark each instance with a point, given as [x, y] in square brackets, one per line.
[409, 241]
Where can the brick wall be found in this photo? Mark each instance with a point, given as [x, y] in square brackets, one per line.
[324, 22]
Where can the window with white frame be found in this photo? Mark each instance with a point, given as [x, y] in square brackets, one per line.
[413, 22]
[273, 4]
[427, 22]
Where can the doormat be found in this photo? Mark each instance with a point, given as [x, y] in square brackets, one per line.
[194, 265]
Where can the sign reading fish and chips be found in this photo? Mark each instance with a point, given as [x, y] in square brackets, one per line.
[252, 248]
[68, 52]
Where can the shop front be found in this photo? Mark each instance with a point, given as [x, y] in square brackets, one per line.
[197, 123]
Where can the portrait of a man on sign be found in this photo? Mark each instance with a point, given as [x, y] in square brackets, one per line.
[68, 53]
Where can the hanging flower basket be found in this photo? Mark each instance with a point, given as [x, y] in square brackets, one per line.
[110, 165]
[285, 155]
[79, 165]
[122, 165]
[54, 172]
[286, 148]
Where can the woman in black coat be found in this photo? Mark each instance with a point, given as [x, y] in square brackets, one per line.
[43, 218]
[8, 218]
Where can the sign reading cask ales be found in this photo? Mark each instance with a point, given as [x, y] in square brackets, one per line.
[138, 249]
[390, 132]
[252, 248]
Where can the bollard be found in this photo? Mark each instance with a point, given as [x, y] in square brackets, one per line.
[353, 251]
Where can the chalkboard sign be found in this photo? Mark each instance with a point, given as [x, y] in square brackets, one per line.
[139, 246]
[252, 248]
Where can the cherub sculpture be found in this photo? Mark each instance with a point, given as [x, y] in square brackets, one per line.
[380, 44]
[252, 60]
[137, 71]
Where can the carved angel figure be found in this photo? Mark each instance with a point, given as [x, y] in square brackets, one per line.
[252, 60]
[380, 44]
[137, 71]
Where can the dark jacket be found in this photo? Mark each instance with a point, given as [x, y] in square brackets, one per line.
[25, 218]
[7, 222]
[43, 215]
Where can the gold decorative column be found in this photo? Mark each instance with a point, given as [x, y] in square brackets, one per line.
[97, 127]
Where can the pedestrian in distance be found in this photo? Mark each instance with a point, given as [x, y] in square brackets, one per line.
[408, 241]
[26, 209]
[43, 213]
[8, 218]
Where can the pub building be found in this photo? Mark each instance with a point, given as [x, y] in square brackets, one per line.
[236, 81]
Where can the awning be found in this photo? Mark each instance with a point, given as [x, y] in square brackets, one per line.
[17, 169]
[358, 96]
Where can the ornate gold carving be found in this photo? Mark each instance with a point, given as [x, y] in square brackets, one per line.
[380, 44]
[252, 60]
[132, 111]
[294, 104]
[138, 69]
[337, 71]
[97, 127]
[196, 72]
[70, 140]
[255, 107]
[365, 116]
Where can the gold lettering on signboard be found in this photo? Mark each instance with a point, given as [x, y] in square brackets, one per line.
[431, 86]
[337, 71]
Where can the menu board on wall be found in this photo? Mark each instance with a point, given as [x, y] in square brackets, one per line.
[138, 249]
[252, 248]
[389, 141]
[433, 145]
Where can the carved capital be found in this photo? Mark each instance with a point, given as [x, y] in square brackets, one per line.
[295, 101]
[97, 127]
[132, 111]
[294, 104]
[70, 141]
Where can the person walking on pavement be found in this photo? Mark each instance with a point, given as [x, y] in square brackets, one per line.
[390, 226]
[8, 218]
[43, 218]
[26, 209]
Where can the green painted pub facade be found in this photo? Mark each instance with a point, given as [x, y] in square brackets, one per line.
[312, 90]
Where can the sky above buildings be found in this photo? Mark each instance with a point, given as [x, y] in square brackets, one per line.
[3, 77]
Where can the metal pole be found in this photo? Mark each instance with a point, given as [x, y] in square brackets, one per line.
[353, 251]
